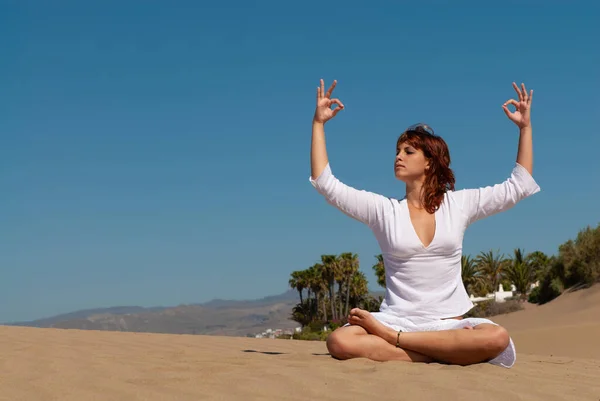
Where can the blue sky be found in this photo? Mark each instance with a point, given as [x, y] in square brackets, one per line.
[158, 154]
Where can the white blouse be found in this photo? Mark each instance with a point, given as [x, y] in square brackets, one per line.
[424, 283]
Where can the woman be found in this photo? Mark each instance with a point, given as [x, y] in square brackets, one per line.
[420, 237]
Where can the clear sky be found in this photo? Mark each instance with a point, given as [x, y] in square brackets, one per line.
[157, 153]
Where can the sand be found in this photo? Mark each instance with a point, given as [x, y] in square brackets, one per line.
[558, 346]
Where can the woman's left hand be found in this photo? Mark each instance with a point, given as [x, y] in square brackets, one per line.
[522, 115]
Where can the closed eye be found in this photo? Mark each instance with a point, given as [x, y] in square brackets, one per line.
[408, 151]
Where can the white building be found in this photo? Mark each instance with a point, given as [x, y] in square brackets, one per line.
[500, 295]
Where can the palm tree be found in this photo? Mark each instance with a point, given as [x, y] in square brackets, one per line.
[330, 272]
[301, 315]
[298, 281]
[359, 290]
[318, 287]
[519, 271]
[349, 268]
[379, 269]
[473, 278]
[492, 265]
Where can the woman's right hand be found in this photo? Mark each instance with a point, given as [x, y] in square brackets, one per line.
[324, 112]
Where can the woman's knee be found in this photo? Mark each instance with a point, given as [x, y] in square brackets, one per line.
[497, 340]
[341, 342]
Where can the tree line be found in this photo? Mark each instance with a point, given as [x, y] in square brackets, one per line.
[331, 287]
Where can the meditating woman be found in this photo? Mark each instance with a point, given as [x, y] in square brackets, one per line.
[420, 237]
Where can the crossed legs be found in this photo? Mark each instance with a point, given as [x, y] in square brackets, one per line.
[366, 337]
[355, 342]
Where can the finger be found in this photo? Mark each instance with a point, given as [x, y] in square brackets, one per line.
[322, 88]
[511, 101]
[328, 94]
[525, 97]
[506, 111]
[338, 102]
[318, 94]
[530, 96]
[518, 91]
[339, 106]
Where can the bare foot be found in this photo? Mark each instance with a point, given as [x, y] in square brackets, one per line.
[373, 326]
[367, 321]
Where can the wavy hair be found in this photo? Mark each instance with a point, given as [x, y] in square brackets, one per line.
[439, 178]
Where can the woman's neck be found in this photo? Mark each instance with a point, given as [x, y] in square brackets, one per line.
[413, 194]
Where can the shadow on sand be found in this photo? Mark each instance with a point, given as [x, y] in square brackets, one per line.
[279, 353]
[264, 352]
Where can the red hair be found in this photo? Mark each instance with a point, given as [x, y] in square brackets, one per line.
[439, 177]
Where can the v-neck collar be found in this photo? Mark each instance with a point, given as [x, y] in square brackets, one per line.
[410, 223]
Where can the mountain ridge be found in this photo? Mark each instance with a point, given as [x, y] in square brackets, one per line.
[216, 317]
[222, 317]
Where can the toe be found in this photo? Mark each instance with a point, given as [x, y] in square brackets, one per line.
[362, 313]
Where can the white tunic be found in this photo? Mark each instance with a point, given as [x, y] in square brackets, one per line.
[424, 283]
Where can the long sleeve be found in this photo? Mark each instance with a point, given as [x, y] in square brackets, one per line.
[483, 202]
[367, 207]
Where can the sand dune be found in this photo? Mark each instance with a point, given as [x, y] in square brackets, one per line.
[568, 326]
[557, 344]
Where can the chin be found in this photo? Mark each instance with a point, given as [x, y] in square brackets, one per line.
[400, 176]
[405, 177]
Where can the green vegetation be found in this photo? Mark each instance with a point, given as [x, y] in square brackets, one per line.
[577, 265]
[329, 289]
[332, 287]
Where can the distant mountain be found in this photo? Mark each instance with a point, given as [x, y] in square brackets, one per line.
[82, 314]
[216, 317]
[290, 295]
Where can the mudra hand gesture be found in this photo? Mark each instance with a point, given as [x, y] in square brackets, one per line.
[522, 115]
[324, 112]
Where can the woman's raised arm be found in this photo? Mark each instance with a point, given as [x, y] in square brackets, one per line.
[522, 118]
[364, 206]
[323, 113]
[483, 202]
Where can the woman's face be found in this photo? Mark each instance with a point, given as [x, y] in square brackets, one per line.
[410, 163]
